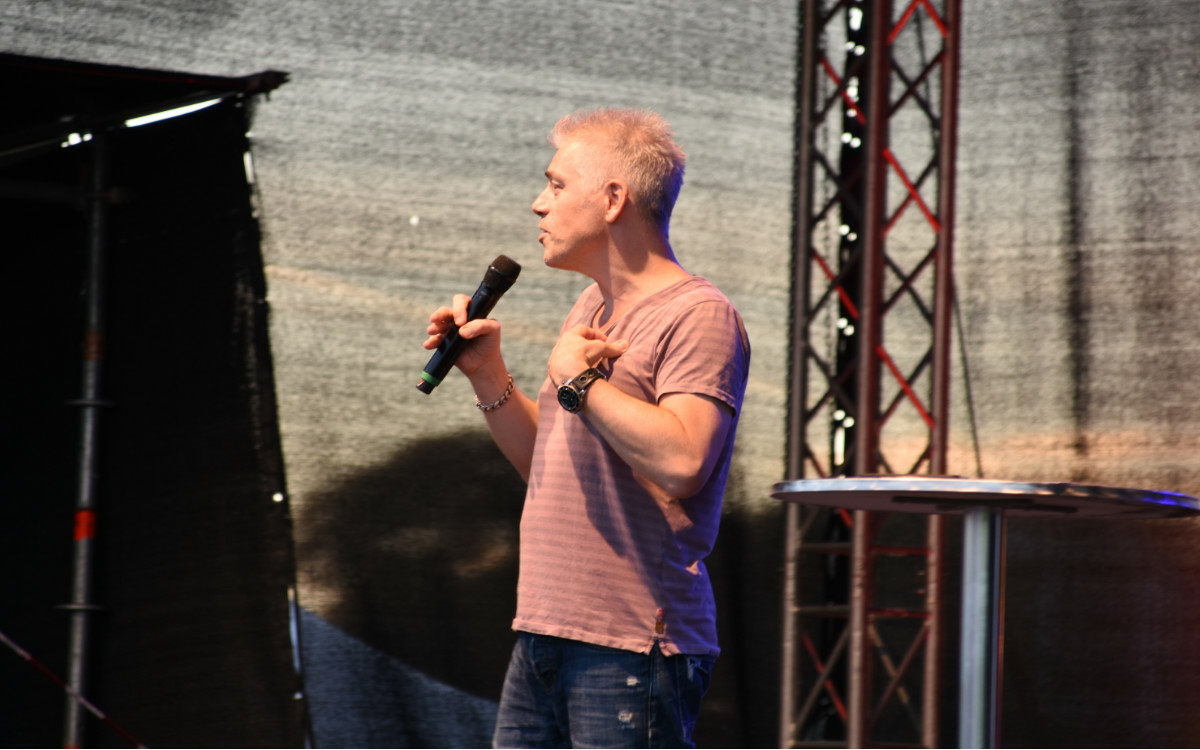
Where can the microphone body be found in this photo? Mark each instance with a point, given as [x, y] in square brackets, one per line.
[499, 277]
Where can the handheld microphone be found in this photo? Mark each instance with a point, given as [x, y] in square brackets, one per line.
[499, 277]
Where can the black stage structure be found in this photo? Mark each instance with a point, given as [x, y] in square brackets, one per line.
[146, 527]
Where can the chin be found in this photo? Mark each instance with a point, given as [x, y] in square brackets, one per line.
[568, 260]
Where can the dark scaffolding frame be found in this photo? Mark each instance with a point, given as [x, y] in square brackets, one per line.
[869, 369]
[69, 104]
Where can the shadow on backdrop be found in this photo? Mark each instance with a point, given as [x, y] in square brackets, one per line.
[414, 561]
[417, 557]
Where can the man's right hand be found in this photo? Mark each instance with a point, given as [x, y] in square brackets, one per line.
[482, 335]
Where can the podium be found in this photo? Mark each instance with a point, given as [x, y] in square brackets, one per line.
[983, 504]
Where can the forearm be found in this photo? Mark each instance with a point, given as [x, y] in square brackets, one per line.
[674, 444]
[512, 421]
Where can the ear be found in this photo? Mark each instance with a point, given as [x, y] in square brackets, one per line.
[616, 200]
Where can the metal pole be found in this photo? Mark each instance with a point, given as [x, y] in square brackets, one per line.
[942, 350]
[983, 541]
[944, 264]
[81, 606]
[870, 333]
[858, 701]
[932, 688]
[871, 258]
[798, 381]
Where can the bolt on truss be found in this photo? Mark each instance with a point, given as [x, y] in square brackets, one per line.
[869, 370]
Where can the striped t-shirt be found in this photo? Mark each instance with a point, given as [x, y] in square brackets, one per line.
[607, 557]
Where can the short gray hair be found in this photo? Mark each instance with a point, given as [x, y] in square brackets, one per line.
[639, 145]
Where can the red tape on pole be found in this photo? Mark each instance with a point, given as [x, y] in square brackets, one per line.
[85, 524]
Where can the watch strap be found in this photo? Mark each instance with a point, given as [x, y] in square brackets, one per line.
[584, 379]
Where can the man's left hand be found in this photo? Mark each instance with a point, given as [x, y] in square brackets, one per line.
[578, 349]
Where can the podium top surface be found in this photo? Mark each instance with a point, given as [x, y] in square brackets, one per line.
[927, 494]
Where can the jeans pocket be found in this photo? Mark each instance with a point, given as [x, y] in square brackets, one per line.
[692, 677]
[698, 672]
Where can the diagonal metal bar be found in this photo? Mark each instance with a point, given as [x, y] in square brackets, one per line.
[901, 396]
[907, 15]
[906, 386]
[823, 683]
[916, 195]
[896, 674]
[930, 168]
[912, 88]
[907, 285]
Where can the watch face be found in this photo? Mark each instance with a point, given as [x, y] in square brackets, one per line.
[569, 398]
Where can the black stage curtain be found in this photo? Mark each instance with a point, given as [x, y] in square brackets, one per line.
[194, 561]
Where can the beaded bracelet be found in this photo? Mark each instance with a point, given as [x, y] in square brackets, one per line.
[485, 408]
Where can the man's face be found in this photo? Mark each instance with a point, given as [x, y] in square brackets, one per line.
[571, 208]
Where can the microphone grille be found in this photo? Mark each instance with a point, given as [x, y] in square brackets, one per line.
[506, 267]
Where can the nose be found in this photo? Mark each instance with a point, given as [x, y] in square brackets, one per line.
[539, 203]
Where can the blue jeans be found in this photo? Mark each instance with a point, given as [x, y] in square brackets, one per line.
[563, 693]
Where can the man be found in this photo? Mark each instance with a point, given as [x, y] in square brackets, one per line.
[626, 451]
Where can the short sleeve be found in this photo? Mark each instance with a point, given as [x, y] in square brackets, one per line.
[707, 352]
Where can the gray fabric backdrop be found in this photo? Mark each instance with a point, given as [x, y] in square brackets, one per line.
[404, 154]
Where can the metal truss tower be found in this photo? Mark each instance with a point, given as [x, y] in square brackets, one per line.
[869, 370]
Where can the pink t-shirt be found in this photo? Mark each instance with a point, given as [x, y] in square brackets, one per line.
[606, 557]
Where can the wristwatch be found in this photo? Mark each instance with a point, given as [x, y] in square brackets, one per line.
[571, 393]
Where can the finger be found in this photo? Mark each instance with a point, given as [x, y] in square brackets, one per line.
[441, 315]
[588, 333]
[609, 350]
[478, 327]
[440, 327]
[460, 304]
